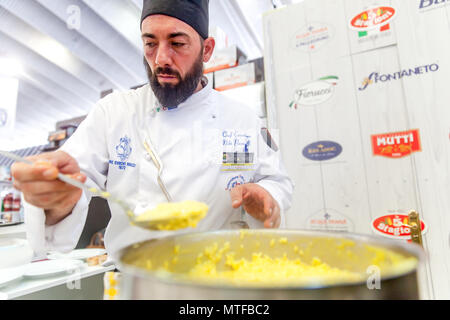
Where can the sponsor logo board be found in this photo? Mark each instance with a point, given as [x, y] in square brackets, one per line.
[396, 144]
[376, 77]
[322, 150]
[427, 5]
[395, 226]
[329, 220]
[315, 92]
[312, 37]
[373, 23]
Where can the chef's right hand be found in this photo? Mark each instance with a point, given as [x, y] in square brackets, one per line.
[40, 187]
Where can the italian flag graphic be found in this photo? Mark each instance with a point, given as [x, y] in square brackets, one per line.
[365, 17]
[362, 34]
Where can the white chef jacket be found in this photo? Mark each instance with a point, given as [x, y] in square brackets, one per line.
[207, 145]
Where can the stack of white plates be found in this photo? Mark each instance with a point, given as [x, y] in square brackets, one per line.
[52, 268]
[78, 254]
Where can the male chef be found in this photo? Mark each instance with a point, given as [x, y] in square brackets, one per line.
[210, 147]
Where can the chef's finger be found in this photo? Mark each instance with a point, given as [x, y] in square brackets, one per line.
[273, 221]
[269, 205]
[59, 159]
[46, 201]
[236, 195]
[38, 171]
[43, 187]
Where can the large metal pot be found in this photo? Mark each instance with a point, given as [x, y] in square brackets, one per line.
[396, 282]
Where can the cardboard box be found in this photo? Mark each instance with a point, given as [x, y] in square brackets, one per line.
[225, 58]
[234, 77]
[221, 38]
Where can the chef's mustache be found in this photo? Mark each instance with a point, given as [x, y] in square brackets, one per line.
[167, 71]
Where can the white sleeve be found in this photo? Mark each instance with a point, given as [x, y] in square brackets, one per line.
[88, 146]
[272, 176]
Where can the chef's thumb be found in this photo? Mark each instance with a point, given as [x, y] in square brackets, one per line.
[80, 177]
[236, 196]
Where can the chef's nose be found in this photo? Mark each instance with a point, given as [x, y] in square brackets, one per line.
[163, 56]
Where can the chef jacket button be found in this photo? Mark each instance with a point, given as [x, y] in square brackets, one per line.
[147, 157]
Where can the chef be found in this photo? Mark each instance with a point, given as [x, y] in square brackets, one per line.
[211, 148]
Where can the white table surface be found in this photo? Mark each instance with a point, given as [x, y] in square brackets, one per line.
[12, 230]
[27, 286]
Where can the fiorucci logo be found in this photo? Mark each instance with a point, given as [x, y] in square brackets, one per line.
[315, 92]
[375, 77]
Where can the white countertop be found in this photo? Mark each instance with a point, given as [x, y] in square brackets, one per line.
[12, 230]
[27, 286]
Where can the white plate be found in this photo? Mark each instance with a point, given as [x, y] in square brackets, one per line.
[51, 268]
[79, 254]
[10, 275]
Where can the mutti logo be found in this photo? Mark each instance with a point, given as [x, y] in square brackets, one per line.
[396, 145]
[431, 4]
[375, 77]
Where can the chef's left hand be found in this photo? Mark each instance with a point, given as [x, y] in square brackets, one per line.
[257, 202]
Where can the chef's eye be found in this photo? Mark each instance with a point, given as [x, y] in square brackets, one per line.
[177, 44]
[150, 44]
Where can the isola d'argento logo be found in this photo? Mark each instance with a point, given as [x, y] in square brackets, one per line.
[123, 149]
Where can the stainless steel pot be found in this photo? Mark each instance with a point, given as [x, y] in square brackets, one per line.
[345, 251]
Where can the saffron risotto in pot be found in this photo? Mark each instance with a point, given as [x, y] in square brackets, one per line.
[267, 258]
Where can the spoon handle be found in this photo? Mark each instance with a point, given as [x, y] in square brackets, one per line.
[73, 182]
[61, 176]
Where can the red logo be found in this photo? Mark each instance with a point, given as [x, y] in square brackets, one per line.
[395, 226]
[397, 144]
[372, 18]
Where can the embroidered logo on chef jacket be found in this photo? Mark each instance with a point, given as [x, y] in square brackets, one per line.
[123, 151]
[235, 181]
[238, 150]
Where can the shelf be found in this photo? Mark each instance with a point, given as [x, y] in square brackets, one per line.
[28, 286]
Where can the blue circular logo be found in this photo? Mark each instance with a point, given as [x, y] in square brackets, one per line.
[322, 150]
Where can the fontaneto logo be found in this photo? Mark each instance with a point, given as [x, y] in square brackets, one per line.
[397, 144]
[375, 77]
[3, 117]
[395, 226]
[315, 92]
[322, 150]
[312, 37]
[425, 5]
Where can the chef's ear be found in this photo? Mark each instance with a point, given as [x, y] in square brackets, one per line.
[208, 48]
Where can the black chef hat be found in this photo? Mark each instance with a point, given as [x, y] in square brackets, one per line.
[193, 12]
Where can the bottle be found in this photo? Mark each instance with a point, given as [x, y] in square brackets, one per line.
[16, 201]
[8, 202]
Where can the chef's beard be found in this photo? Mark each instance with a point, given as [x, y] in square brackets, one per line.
[170, 95]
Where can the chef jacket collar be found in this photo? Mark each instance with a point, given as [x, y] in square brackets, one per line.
[193, 100]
